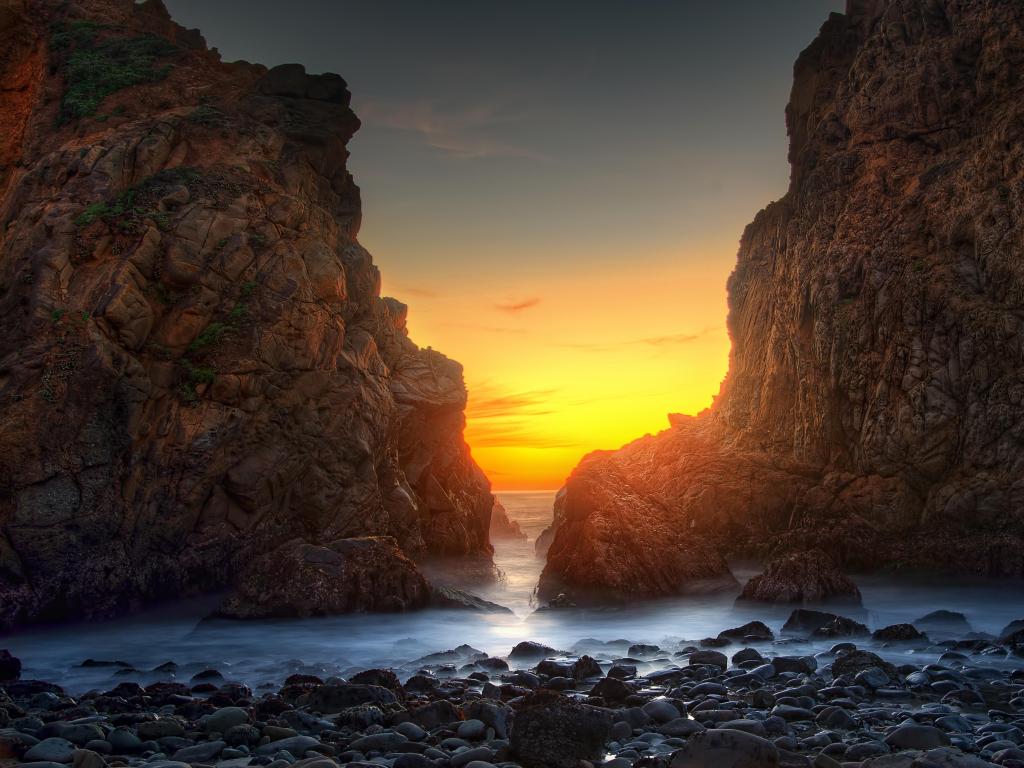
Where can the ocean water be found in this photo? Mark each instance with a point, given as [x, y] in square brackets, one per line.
[262, 654]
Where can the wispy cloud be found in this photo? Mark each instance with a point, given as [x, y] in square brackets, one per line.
[458, 131]
[486, 328]
[658, 342]
[496, 418]
[418, 292]
[514, 306]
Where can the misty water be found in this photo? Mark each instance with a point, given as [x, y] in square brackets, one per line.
[262, 654]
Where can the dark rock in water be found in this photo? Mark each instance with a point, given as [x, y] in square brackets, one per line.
[640, 649]
[726, 748]
[531, 650]
[805, 578]
[841, 626]
[805, 621]
[550, 731]
[752, 630]
[452, 597]
[93, 663]
[849, 664]
[10, 666]
[714, 658]
[299, 579]
[714, 642]
[502, 526]
[385, 678]
[802, 665]
[612, 689]
[899, 633]
[585, 668]
[1012, 628]
[944, 621]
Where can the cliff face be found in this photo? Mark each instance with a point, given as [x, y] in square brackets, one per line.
[874, 404]
[195, 362]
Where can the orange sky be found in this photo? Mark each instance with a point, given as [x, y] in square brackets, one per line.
[563, 365]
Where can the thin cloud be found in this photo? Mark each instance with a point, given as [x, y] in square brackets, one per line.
[459, 132]
[420, 293]
[513, 307]
[496, 418]
[533, 403]
[659, 342]
[486, 328]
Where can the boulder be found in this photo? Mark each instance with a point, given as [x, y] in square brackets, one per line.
[805, 578]
[10, 666]
[299, 579]
[946, 622]
[803, 621]
[726, 748]
[849, 664]
[841, 626]
[714, 658]
[553, 732]
[529, 650]
[751, 631]
[898, 633]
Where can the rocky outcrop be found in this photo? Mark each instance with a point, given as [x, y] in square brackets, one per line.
[873, 403]
[195, 361]
[806, 578]
[502, 526]
[299, 580]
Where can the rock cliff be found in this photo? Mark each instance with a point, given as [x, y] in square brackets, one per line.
[195, 361]
[874, 405]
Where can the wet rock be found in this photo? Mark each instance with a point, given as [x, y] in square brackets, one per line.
[849, 664]
[841, 627]
[53, 749]
[502, 526]
[751, 631]
[385, 678]
[898, 633]
[224, 719]
[200, 753]
[916, 736]
[529, 650]
[803, 621]
[331, 699]
[714, 658]
[726, 748]
[552, 732]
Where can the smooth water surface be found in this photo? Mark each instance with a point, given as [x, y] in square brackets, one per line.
[264, 653]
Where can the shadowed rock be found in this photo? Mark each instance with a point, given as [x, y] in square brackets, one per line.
[804, 578]
[299, 579]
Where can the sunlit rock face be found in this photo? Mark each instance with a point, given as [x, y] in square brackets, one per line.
[874, 405]
[195, 362]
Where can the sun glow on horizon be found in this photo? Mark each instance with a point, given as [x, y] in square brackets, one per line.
[559, 363]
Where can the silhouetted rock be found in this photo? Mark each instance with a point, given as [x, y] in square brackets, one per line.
[805, 621]
[898, 633]
[803, 578]
[10, 666]
[850, 664]
[944, 621]
[752, 630]
[502, 526]
[841, 626]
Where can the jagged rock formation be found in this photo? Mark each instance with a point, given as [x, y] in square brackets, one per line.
[874, 405]
[502, 526]
[195, 363]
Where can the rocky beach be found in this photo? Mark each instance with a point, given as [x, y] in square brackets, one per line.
[821, 690]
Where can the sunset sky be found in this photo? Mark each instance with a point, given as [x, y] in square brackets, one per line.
[555, 188]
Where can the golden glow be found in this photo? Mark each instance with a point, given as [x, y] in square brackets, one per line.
[560, 362]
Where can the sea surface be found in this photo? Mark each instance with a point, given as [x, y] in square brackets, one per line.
[262, 654]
